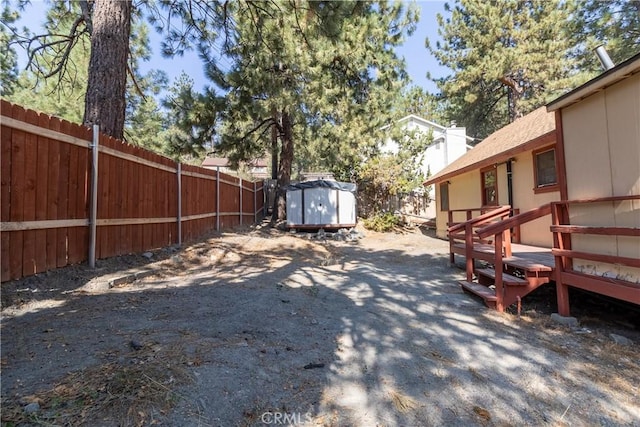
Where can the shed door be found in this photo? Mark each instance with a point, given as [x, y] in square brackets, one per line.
[347, 207]
[320, 206]
[294, 207]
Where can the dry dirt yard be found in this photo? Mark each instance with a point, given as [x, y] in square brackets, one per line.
[260, 327]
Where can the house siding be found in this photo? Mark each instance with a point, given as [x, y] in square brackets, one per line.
[449, 143]
[465, 192]
[536, 232]
[602, 149]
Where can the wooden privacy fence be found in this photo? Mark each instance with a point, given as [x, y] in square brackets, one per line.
[51, 217]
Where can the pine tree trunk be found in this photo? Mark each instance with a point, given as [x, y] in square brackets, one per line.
[514, 104]
[274, 147]
[105, 98]
[514, 93]
[286, 161]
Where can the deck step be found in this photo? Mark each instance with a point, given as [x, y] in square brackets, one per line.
[507, 279]
[479, 290]
[526, 264]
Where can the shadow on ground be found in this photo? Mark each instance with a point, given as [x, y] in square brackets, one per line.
[274, 327]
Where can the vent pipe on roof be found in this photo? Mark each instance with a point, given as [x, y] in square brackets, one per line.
[604, 58]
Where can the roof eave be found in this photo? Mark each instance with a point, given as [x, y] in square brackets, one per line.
[537, 142]
[421, 119]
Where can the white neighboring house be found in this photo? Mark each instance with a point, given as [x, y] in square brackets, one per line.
[448, 144]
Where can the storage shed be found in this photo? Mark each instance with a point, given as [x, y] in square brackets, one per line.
[321, 204]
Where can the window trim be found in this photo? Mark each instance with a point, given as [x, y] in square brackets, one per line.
[549, 187]
[441, 186]
[482, 187]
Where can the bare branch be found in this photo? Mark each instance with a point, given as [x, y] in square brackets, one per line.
[295, 12]
[135, 82]
[262, 123]
[62, 44]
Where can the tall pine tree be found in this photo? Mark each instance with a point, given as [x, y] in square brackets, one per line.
[8, 57]
[506, 57]
[55, 82]
[613, 23]
[322, 74]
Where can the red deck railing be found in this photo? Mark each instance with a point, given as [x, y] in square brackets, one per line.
[465, 232]
[566, 276]
[501, 238]
[497, 223]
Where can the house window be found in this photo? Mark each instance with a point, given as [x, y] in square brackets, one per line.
[489, 187]
[544, 170]
[444, 196]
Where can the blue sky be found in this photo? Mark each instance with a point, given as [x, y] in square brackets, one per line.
[419, 60]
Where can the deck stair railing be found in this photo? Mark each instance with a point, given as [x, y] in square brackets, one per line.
[566, 276]
[534, 274]
[488, 237]
[462, 237]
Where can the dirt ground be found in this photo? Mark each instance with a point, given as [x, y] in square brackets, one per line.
[261, 327]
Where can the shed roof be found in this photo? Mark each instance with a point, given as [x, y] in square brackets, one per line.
[531, 131]
[321, 183]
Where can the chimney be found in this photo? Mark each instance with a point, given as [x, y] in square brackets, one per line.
[603, 56]
[453, 123]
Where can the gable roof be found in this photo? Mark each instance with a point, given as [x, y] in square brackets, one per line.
[427, 123]
[531, 131]
[421, 120]
[610, 77]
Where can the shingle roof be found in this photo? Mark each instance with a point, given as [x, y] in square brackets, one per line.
[501, 144]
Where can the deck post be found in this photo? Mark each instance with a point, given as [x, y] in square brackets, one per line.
[499, 268]
[507, 240]
[562, 290]
[452, 256]
[468, 248]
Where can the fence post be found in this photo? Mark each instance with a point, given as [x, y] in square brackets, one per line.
[179, 175]
[255, 203]
[217, 198]
[241, 201]
[93, 207]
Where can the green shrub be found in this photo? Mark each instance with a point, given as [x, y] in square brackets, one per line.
[382, 222]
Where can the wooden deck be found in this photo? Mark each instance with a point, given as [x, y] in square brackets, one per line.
[526, 257]
[473, 239]
[526, 269]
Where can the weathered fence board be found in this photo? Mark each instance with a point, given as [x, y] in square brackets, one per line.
[5, 175]
[42, 175]
[52, 190]
[29, 196]
[17, 201]
[46, 189]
